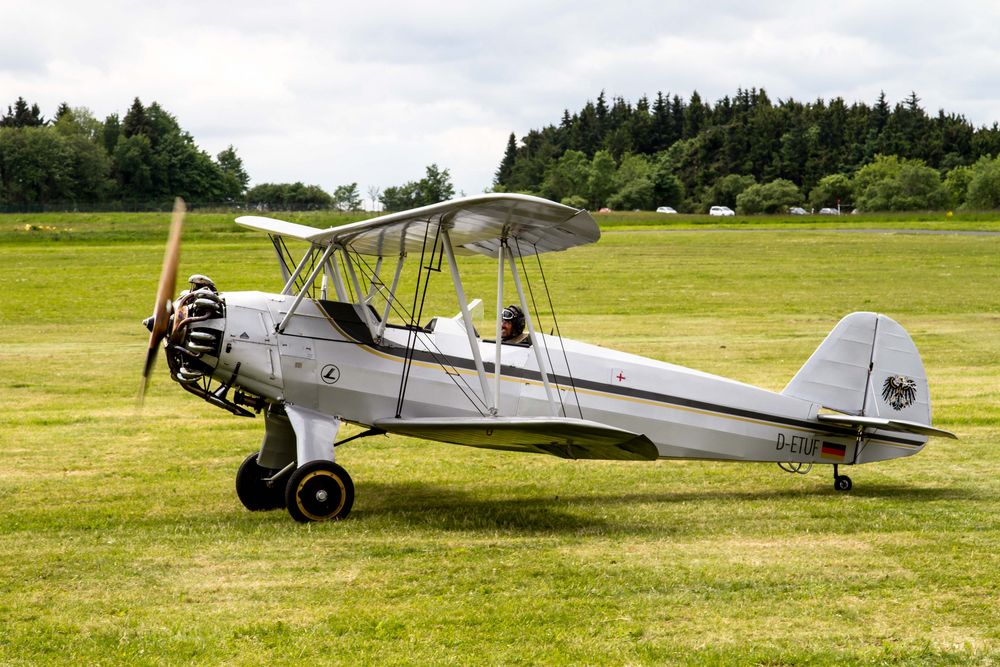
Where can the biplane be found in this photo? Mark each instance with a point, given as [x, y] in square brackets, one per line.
[342, 343]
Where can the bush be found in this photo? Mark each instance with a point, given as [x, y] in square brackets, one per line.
[957, 184]
[773, 197]
[891, 184]
[984, 185]
[831, 190]
[726, 190]
[636, 195]
[576, 201]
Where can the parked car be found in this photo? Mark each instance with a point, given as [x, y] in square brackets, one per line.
[604, 209]
[721, 210]
[798, 210]
[665, 209]
[829, 211]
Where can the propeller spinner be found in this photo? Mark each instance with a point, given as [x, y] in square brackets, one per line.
[164, 293]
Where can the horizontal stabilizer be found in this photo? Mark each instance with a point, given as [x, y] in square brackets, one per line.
[560, 436]
[886, 425]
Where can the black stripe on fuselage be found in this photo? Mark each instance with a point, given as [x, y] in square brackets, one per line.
[345, 317]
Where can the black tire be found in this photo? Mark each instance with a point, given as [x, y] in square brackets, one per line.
[319, 491]
[842, 483]
[253, 491]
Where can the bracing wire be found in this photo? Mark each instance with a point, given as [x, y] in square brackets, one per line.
[555, 323]
[284, 255]
[410, 343]
[432, 348]
[420, 313]
[534, 307]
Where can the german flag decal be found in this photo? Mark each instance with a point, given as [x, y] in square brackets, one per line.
[832, 450]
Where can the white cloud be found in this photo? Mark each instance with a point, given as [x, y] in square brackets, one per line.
[330, 93]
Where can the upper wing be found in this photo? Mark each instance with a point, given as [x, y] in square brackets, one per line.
[565, 437]
[474, 224]
[277, 227]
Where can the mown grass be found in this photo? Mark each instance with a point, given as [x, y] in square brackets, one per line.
[20, 228]
[122, 541]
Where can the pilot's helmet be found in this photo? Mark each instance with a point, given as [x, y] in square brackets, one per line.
[199, 281]
[514, 315]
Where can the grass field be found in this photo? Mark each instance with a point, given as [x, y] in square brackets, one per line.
[122, 540]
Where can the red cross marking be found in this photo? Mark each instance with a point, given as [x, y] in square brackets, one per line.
[620, 376]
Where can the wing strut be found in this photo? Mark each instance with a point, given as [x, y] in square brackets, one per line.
[333, 268]
[389, 297]
[467, 318]
[302, 292]
[501, 257]
[290, 284]
[362, 302]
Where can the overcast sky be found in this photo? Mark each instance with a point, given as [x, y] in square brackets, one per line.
[371, 92]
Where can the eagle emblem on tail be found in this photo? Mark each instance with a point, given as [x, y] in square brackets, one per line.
[899, 391]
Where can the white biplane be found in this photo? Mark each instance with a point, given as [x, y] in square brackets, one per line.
[323, 351]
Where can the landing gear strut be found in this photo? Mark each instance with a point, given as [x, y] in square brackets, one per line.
[841, 482]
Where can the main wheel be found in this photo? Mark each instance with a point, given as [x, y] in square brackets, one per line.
[319, 491]
[842, 483]
[255, 494]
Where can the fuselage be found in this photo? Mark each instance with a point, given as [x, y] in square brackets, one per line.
[328, 359]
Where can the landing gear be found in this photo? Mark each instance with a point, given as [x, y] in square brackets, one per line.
[319, 491]
[841, 482]
[255, 493]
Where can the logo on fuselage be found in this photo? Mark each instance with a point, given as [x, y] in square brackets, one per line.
[330, 374]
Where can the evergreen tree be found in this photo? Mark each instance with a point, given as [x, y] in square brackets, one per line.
[22, 115]
[695, 116]
[505, 172]
[135, 120]
[601, 114]
[235, 178]
[112, 130]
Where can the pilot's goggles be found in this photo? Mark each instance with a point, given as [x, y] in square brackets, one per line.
[508, 314]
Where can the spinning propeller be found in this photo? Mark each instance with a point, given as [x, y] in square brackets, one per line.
[164, 293]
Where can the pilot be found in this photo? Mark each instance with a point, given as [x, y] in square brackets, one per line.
[512, 326]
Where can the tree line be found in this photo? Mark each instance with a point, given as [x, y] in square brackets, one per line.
[745, 152]
[75, 158]
[691, 154]
[145, 159]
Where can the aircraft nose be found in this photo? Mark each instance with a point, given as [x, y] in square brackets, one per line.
[148, 322]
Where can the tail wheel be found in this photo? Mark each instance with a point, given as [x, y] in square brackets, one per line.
[842, 483]
[319, 491]
[255, 494]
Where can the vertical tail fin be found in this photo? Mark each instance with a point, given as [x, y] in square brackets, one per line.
[867, 366]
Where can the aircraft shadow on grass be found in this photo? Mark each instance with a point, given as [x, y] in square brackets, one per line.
[437, 506]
